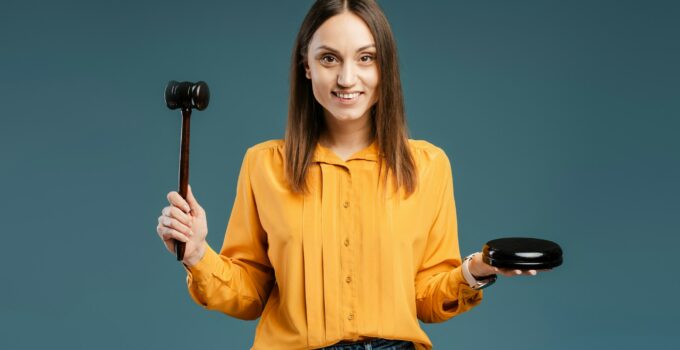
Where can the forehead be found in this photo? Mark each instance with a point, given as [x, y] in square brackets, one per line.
[345, 31]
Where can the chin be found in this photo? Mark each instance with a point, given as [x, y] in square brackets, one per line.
[346, 116]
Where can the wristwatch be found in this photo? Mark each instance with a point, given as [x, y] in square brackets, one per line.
[473, 282]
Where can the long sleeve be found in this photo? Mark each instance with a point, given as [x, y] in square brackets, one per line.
[238, 280]
[440, 278]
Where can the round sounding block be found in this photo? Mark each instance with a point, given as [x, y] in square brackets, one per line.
[522, 253]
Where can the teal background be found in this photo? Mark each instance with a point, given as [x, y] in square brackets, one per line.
[560, 119]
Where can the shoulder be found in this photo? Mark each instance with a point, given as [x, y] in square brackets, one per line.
[266, 145]
[426, 152]
[268, 148]
[264, 157]
[432, 162]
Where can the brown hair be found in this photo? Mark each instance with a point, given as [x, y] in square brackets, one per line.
[388, 120]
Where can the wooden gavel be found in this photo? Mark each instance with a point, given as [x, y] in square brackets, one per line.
[185, 95]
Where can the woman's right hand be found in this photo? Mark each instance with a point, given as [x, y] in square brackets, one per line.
[185, 221]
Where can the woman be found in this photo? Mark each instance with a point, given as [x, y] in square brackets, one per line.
[343, 233]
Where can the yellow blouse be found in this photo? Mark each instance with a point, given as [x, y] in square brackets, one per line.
[346, 262]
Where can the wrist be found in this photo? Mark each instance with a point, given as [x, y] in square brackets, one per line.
[193, 259]
[472, 266]
[477, 265]
[476, 280]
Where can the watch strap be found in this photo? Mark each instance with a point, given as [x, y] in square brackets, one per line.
[473, 282]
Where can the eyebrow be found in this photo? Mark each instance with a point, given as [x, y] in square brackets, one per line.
[336, 51]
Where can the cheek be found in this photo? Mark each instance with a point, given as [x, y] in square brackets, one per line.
[321, 82]
[319, 89]
[317, 95]
[372, 79]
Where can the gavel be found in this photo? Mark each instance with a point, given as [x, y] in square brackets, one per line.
[187, 96]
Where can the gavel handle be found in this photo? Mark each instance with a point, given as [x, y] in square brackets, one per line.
[183, 170]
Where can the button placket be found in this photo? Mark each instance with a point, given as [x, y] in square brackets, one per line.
[349, 221]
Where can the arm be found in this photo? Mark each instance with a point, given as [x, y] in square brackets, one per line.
[237, 281]
[441, 290]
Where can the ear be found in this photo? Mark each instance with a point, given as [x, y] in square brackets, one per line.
[308, 74]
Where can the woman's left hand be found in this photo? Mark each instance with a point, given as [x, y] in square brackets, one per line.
[478, 268]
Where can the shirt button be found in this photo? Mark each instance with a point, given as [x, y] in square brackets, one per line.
[346, 204]
[348, 279]
[346, 242]
[350, 316]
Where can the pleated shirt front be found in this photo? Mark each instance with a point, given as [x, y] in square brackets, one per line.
[351, 259]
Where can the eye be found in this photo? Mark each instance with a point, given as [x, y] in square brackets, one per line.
[328, 59]
[367, 58]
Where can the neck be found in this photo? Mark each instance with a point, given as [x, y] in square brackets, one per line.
[354, 134]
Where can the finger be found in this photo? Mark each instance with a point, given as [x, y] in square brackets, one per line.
[167, 233]
[176, 199]
[174, 212]
[506, 272]
[193, 203]
[176, 225]
[511, 272]
[170, 246]
[527, 272]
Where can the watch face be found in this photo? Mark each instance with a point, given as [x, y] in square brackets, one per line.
[487, 282]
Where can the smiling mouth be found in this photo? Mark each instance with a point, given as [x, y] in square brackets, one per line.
[346, 96]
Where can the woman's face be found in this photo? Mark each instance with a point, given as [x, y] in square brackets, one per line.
[341, 63]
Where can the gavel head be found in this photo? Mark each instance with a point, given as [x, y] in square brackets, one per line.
[187, 95]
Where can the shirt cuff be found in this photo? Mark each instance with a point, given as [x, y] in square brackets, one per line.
[205, 267]
[459, 290]
[457, 284]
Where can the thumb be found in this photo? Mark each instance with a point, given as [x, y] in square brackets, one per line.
[192, 200]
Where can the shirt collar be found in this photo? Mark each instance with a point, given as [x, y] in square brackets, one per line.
[326, 155]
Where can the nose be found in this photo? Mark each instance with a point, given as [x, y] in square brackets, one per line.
[347, 76]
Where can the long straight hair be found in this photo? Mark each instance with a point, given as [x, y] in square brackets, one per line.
[388, 120]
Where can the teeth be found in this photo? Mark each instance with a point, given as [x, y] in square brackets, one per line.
[347, 96]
